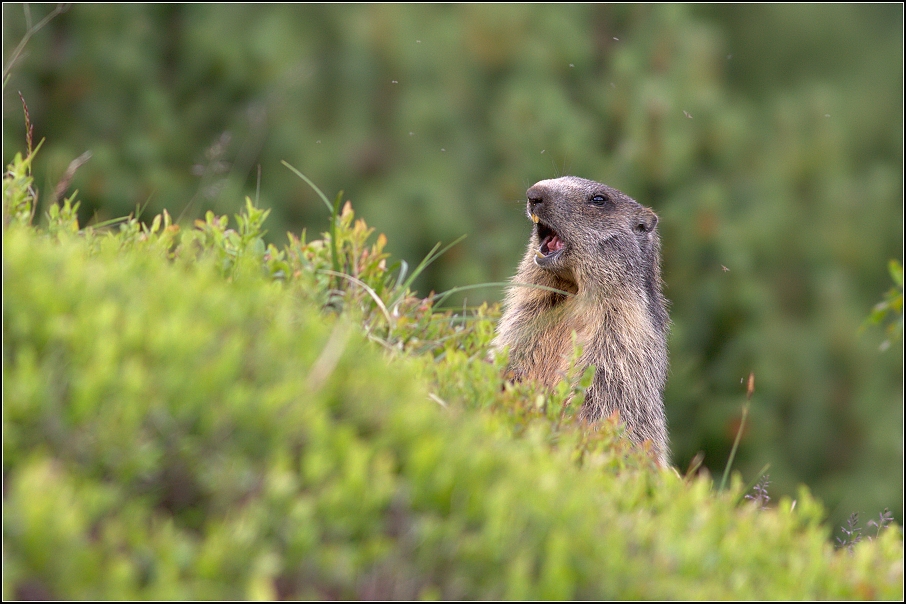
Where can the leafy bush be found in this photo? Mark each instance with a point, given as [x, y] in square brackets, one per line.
[191, 414]
[891, 305]
[767, 137]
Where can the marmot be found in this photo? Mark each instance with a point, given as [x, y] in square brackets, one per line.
[601, 246]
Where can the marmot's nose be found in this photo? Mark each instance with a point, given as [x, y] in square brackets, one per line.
[535, 196]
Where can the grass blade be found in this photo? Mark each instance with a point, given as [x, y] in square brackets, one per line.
[431, 257]
[310, 184]
[367, 288]
[750, 389]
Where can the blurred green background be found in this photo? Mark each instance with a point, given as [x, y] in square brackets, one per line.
[769, 139]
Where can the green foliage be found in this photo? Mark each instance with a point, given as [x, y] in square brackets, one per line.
[893, 305]
[19, 196]
[232, 245]
[767, 137]
[189, 414]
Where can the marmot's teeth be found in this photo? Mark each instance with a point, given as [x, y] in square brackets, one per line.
[538, 254]
[535, 218]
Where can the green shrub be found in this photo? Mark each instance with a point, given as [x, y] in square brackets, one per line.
[768, 138]
[189, 414]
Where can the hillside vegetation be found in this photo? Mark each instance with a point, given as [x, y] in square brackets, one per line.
[767, 137]
[191, 413]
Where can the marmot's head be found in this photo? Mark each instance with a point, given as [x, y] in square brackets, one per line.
[586, 231]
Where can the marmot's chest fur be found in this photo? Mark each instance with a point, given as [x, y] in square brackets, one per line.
[602, 248]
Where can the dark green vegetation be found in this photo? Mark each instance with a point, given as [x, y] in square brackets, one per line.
[189, 413]
[768, 139]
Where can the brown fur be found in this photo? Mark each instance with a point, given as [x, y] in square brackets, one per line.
[605, 251]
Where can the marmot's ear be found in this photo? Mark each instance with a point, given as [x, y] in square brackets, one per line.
[646, 220]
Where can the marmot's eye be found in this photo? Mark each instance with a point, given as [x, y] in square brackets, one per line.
[600, 200]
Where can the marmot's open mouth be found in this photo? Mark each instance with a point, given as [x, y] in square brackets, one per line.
[551, 244]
